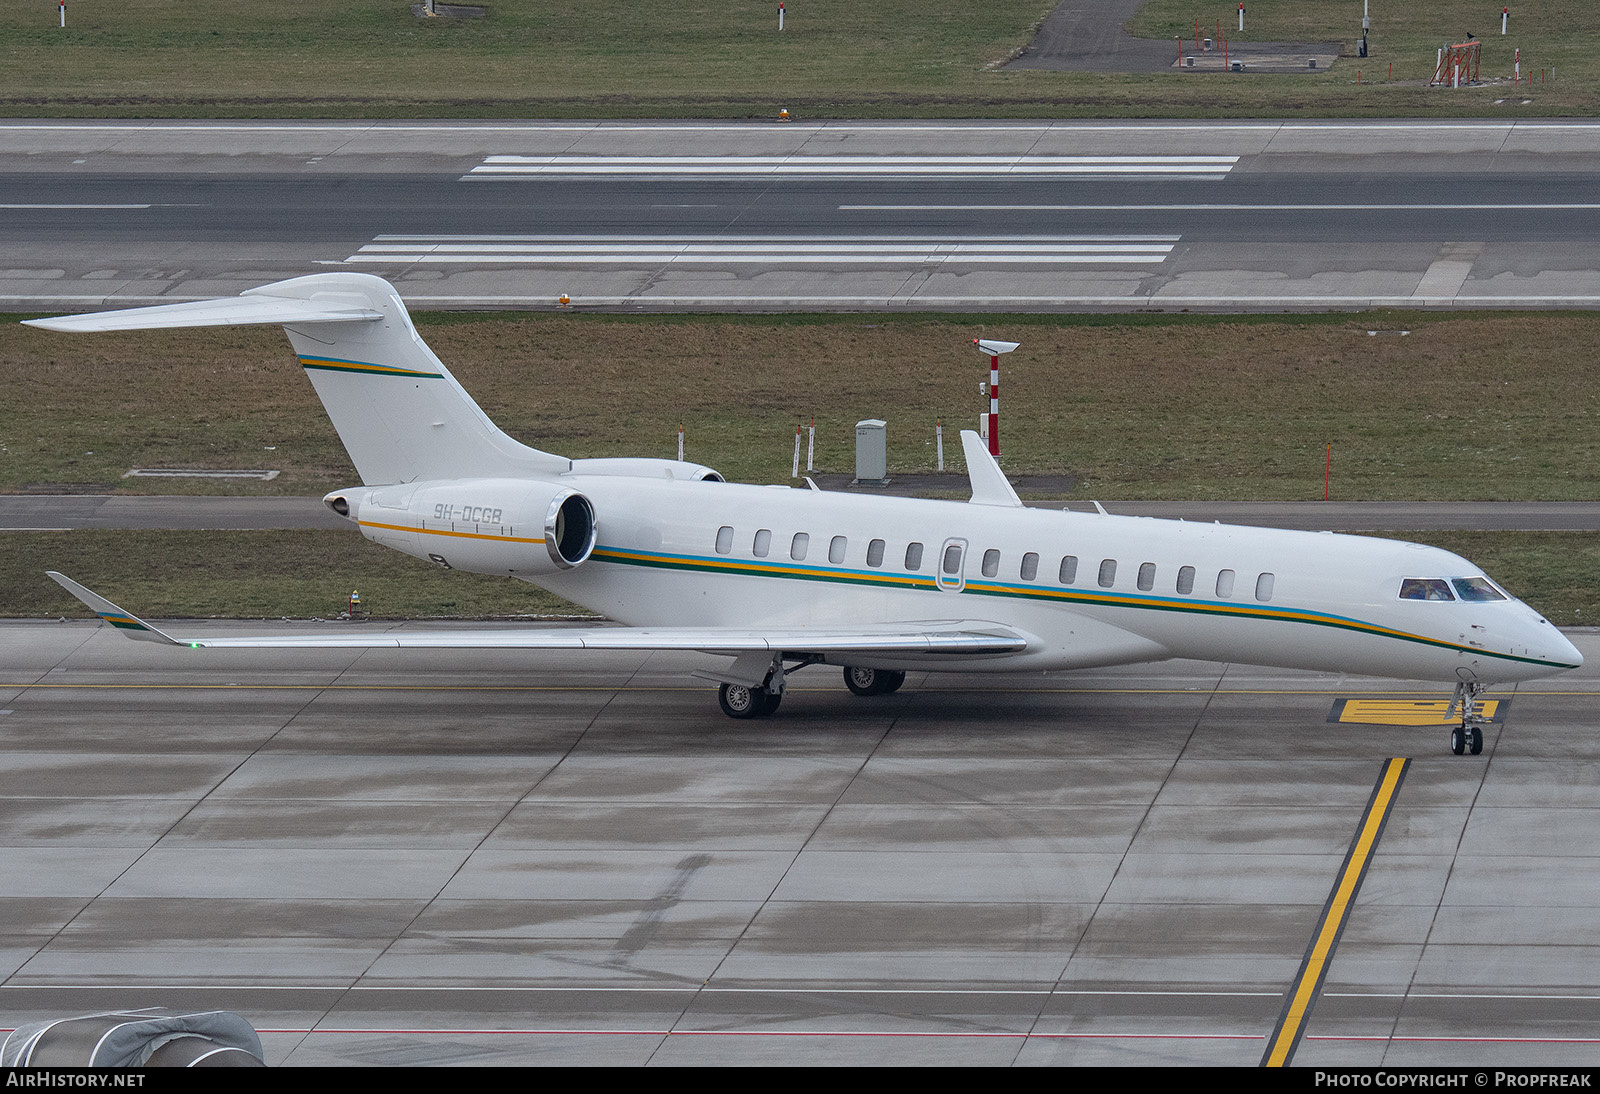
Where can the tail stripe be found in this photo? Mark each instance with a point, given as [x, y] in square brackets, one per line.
[333, 364]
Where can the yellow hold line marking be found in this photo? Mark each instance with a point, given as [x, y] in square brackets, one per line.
[1334, 915]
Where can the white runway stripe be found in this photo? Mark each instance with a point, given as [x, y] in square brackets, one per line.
[780, 251]
[821, 166]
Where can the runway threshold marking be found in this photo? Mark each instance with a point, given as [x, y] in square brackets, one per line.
[1335, 913]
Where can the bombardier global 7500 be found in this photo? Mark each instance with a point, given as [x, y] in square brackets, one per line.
[776, 579]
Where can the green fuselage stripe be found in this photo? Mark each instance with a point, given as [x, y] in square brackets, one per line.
[1098, 598]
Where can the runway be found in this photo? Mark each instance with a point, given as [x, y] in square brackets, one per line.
[498, 859]
[771, 216]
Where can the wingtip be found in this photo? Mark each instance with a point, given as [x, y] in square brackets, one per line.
[127, 622]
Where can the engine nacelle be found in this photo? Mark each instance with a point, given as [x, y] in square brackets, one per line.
[520, 527]
[639, 467]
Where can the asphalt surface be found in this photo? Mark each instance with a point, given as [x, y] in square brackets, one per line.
[488, 858]
[63, 512]
[763, 216]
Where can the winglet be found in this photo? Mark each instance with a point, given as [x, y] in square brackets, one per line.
[131, 625]
[989, 485]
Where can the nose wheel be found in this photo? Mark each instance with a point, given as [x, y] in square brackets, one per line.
[1468, 736]
[1466, 739]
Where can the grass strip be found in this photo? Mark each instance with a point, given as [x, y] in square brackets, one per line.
[834, 58]
[1466, 406]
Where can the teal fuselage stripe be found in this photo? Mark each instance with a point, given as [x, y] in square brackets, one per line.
[1215, 609]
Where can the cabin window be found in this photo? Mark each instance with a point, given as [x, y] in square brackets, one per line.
[1476, 589]
[1030, 566]
[991, 562]
[1186, 579]
[913, 556]
[799, 545]
[724, 540]
[1425, 588]
[762, 543]
[1264, 587]
[1069, 570]
[1108, 572]
[1147, 577]
[836, 549]
[952, 558]
[1225, 583]
[875, 553]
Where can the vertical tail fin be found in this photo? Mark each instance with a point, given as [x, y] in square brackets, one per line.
[401, 415]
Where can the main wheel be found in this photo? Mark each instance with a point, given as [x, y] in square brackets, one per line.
[739, 701]
[866, 681]
[1475, 742]
[1458, 740]
[892, 681]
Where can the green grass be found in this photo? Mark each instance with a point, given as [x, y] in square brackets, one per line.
[304, 575]
[836, 58]
[1479, 406]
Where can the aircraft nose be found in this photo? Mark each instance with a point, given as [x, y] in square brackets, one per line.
[1570, 653]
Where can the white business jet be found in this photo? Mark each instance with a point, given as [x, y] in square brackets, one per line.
[776, 579]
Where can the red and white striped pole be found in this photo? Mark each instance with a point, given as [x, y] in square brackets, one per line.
[994, 349]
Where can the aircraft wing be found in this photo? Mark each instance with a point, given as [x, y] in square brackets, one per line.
[955, 637]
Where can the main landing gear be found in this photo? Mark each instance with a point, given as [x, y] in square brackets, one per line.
[761, 700]
[1468, 736]
[873, 681]
[743, 701]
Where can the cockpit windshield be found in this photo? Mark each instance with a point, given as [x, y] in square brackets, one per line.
[1476, 589]
[1425, 588]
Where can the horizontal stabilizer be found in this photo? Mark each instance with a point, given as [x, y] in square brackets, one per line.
[232, 312]
[922, 637]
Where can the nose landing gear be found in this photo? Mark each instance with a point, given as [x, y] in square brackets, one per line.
[1468, 736]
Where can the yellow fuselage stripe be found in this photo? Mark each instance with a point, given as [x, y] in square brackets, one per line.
[1333, 919]
[443, 532]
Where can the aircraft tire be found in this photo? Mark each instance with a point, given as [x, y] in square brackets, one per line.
[1458, 740]
[892, 682]
[740, 701]
[1475, 741]
[864, 681]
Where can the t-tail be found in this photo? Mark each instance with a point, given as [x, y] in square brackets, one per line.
[401, 415]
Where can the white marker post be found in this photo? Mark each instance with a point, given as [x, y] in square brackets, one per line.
[938, 440]
[994, 348]
[811, 446]
[63, 13]
[1241, 16]
[780, 14]
[796, 473]
[1505, 15]
[680, 444]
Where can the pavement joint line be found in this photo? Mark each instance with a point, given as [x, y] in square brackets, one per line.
[1307, 984]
